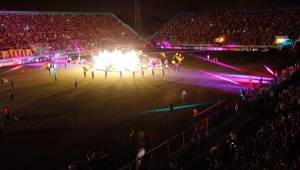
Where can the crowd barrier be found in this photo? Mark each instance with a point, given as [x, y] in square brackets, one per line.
[218, 47]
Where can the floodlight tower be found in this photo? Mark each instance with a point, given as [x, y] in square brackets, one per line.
[137, 16]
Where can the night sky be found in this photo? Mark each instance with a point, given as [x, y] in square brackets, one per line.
[154, 12]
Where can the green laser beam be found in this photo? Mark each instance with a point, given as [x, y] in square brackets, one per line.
[165, 109]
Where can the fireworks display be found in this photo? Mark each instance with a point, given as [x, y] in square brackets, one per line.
[117, 60]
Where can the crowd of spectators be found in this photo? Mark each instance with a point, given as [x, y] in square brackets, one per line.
[271, 144]
[62, 31]
[235, 27]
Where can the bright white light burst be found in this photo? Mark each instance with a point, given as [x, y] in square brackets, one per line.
[117, 60]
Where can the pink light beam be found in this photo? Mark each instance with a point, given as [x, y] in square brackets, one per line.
[219, 63]
[269, 69]
[223, 78]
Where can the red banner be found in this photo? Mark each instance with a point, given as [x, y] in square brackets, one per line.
[14, 53]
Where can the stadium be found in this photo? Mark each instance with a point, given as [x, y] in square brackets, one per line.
[208, 90]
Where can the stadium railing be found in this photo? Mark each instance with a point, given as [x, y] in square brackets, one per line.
[219, 47]
[208, 119]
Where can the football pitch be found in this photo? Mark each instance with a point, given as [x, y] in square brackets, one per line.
[58, 123]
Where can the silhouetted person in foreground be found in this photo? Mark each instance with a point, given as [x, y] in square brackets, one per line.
[55, 78]
[93, 74]
[6, 112]
[76, 83]
[84, 74]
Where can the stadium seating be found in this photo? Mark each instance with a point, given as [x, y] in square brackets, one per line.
[235, 27]
[62, 31]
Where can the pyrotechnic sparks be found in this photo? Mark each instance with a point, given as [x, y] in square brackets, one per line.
[117, 60]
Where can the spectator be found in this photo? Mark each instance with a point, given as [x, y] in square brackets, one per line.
[6, 112]
[11, 94]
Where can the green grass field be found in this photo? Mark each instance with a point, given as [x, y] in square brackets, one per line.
[59, 123]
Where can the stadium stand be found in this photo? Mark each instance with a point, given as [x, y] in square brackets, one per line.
[63, 30]
[235, 27]
[270, 144]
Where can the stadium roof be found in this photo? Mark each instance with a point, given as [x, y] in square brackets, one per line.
[56, 13]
